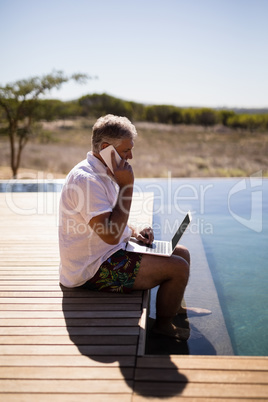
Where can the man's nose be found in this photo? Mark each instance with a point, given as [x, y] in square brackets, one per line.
[129, 155]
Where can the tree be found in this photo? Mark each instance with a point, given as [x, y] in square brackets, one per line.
[224, 115]
[205, 117]
[52, 109]
[99, 105]
[19, 101]
[166, 114]
[188, 116]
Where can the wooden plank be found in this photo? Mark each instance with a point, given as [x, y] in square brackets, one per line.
[13, 277]
[88, 350]
[72, 301]
[49, 260]
[66, 386]
[66, 361]
[68, 307]
[204, 362]
[64, 373]
[25, 250]
[179, 398]
[23, 260]
[91, 322]
[72, 331]
[79, 339]
[32, 263]
[142, 324]
[28, 287]
[71, 397]
[49, 294]
[202, 376]
[67, 314]
[29, 271]
[202, 390]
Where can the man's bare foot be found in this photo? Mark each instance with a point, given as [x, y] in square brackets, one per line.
[193, 311]
[171, 331]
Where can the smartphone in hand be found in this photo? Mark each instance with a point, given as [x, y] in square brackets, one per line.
[106, 156]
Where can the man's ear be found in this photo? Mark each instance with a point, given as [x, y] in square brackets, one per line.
[104, 145]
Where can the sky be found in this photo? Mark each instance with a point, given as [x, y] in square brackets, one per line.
[202, 53]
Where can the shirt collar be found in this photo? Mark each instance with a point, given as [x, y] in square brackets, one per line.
[99, 167]
[96, 163]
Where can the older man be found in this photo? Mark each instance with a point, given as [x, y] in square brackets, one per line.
[94, 230]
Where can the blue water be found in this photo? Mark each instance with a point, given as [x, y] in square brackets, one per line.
[237, 254]
[30, 186]
[231, 215]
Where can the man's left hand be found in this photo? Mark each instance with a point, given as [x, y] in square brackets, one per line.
[146, 235]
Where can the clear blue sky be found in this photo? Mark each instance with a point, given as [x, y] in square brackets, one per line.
[182, 52]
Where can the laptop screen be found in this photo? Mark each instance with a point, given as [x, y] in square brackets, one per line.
[181, 229]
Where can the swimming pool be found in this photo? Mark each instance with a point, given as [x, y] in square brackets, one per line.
[231, 217]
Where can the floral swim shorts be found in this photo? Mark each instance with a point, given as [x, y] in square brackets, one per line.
[117, 273]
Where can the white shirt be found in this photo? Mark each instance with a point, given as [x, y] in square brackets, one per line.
[87, 192]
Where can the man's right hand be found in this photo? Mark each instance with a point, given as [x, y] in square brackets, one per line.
[111, 225]
[123, 173]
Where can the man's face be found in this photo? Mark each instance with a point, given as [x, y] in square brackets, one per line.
[125, 148]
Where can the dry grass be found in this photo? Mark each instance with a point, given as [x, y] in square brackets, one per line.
[160, 150]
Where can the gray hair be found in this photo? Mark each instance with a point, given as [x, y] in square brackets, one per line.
[111, 129]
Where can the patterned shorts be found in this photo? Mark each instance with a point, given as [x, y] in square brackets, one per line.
[117, 274]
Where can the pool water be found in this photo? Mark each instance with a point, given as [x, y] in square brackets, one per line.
[237, 254]
[231, 216]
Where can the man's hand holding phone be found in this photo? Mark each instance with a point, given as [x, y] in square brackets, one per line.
[106, 154]
[123, 173]
[119, 168]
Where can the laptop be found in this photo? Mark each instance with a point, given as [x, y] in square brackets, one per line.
[160, 247]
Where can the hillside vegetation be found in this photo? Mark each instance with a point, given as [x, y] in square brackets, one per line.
[100, 104]
[161, 150]
[172, 141]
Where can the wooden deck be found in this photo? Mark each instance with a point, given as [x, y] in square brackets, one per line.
[64, 345]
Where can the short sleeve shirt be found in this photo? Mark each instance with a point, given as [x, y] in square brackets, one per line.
[87, 192]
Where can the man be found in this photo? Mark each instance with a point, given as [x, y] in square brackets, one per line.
[94, 230]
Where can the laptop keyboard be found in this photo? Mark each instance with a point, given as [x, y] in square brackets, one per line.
[161, 247]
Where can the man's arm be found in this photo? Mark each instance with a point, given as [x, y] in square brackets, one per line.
[111, 225]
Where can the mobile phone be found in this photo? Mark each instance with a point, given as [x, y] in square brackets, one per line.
[106, 156]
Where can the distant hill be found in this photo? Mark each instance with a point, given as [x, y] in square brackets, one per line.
[246, 110]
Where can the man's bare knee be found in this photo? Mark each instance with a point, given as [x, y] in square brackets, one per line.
[183, 252]
[155, 270]
[177, 269]
[182, 269]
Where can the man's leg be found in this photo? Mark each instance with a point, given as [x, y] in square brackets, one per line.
[193, 311]
[171, 274]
